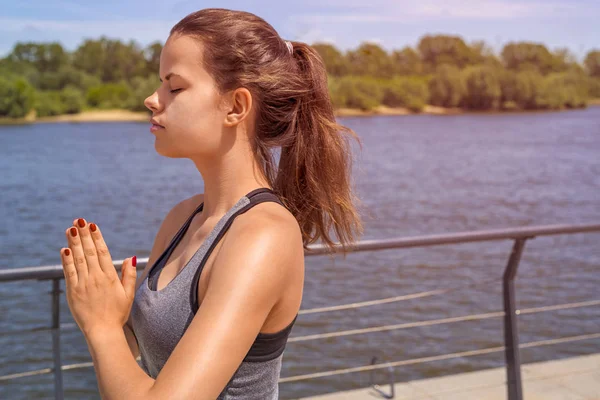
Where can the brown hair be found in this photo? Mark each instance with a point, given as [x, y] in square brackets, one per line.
[293, 111]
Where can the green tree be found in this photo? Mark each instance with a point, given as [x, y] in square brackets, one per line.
[407, 62]
[483, 89]
[446, 87]
[44, 57]
[110, 60]
[565, 89]
[141, 88]
[109, 95]
[89, 57]
[49, 103]
[72, 100]
[594, 88]
[527, 55]
[123, 61]
[484, 54]
[16, 97]
[406, 92]
[528, 86]
[364, 93]
[592, 63]
[152, 57]
[444, 49]
[335, 62]
[369, 59]
[563, 60]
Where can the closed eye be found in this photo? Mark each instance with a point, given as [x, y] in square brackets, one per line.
[175, 90]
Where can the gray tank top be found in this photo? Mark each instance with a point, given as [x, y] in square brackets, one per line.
[161, 317]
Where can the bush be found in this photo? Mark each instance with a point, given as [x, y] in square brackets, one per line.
[446, 87]
[594, 88]
[483, 89]
[528, 85]
[406, 92]
[72, 100]
[364, 93]
[16, 97]
[141, 88]
[110, 95]
[563, 90]
[49, 103]
[337, 99]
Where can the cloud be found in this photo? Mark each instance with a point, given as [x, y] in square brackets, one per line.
[142, 32]
[405, 11]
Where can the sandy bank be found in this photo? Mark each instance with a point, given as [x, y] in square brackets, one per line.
[125, 115]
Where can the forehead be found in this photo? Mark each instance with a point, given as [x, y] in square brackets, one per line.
[182, 55]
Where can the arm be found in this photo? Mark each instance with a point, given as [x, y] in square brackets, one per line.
[248, 278]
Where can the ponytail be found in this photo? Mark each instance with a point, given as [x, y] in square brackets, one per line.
[315, 169]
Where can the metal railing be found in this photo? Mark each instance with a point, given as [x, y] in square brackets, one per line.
[510, 313]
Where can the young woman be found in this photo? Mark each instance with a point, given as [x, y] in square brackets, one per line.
[212, 311]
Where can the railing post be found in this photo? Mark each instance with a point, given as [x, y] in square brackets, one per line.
[511, 331]
[58, 382]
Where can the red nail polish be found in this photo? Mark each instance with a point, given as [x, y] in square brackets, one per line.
[73, 232]
[134, 261]
[93, 227]
[67, 252]
[81, 222]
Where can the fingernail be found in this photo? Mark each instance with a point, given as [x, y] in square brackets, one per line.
[81, 222]
[67, 252]
[93, 227]
[134, 261]
[73, 232]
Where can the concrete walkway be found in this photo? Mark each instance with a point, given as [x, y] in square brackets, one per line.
[576, 378]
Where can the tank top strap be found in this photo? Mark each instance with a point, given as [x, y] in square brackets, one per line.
[255, 197]
[260, 196]
[172, 245]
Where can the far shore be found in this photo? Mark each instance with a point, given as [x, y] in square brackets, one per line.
[141, 116]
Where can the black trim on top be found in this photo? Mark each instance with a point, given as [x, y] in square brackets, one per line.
[266, 346]
[152, 274]
[256, 197]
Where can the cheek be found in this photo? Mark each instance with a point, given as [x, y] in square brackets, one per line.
[194, 125]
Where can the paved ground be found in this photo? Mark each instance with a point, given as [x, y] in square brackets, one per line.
[576, 378]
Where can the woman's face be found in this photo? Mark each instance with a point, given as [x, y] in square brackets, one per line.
[186, 103]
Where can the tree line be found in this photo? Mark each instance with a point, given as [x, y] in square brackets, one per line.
[441, 70]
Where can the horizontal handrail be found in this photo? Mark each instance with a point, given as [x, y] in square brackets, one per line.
[463, 237]
[412, 361]
[518, 235]
[450, 320]
[468, 353]
[56, 271]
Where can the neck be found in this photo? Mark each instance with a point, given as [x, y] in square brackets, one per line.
[227, 179]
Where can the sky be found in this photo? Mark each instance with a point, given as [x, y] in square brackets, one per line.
[393, 24]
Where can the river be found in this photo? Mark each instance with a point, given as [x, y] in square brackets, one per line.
[416, 175]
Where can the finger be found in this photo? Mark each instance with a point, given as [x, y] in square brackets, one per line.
[104, 257]
[89, 247]
[69, 269]
[74, 244]
[129, 276]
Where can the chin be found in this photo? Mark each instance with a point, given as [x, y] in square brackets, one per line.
[166, 151]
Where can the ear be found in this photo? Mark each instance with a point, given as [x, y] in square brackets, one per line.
[239, 107]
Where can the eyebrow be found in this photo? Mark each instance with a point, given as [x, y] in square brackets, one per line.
[169, 75]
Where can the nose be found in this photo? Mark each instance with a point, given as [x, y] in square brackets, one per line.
[152, 103]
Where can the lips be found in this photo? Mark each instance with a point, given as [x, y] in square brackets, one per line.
[155, 122]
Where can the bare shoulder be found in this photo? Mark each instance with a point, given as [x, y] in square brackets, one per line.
[267, 230]
[272, 218]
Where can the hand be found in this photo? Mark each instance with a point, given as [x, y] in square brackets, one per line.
[97, 297]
